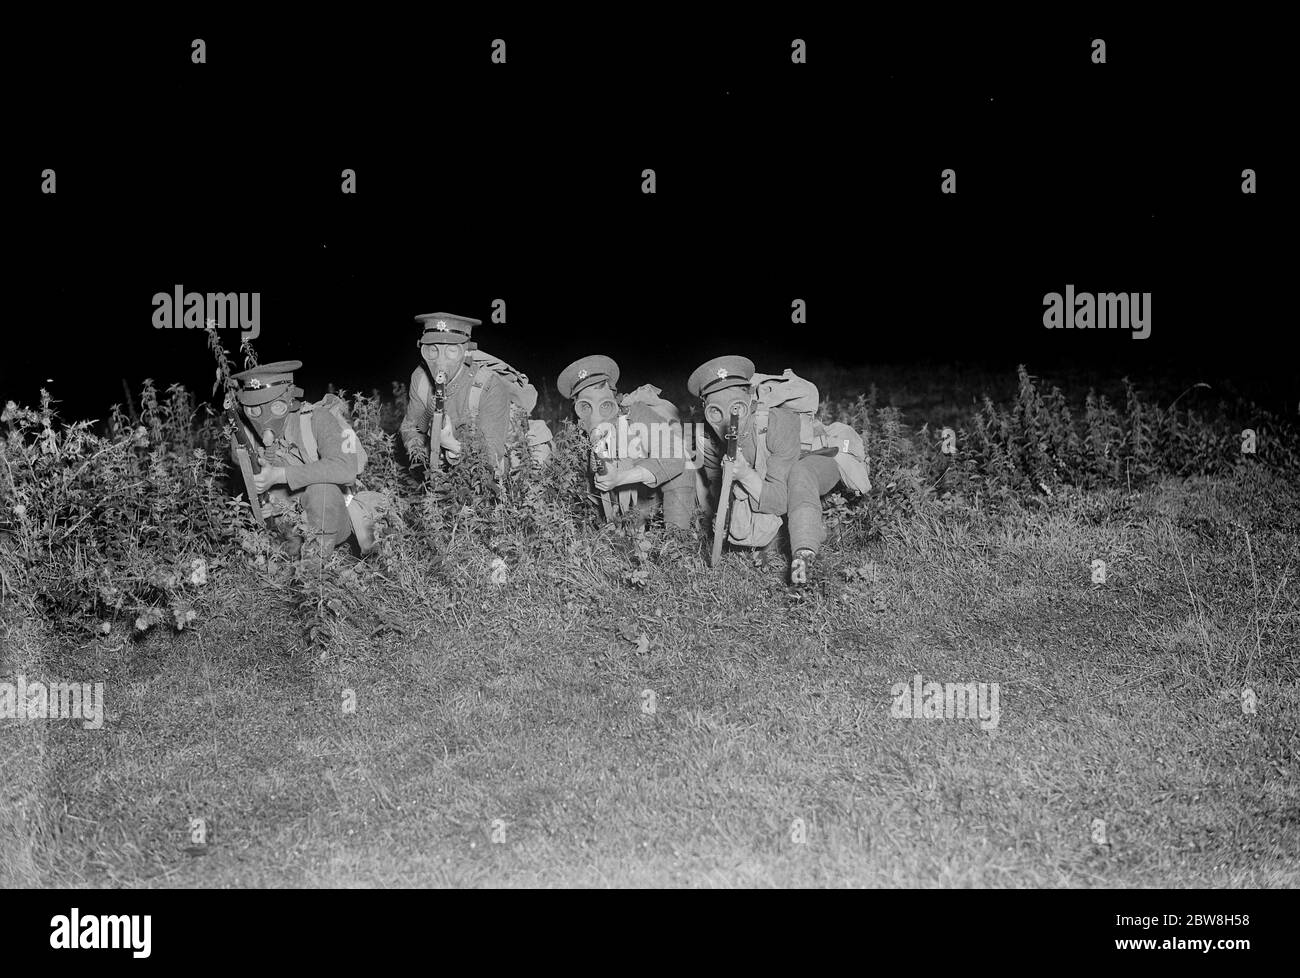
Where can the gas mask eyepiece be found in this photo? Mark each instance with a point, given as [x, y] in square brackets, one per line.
[268, 419]
[718, 412]
[594, 406]
[444, 358]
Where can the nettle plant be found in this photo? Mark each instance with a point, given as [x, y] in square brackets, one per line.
[370, 420]
[127, 525]
[536, 507]
[461, 499]
[557, 494]
[1038, 442]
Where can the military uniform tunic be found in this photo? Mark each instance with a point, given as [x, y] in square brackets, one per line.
[493, 408]
[666, 462]
[318, 486]
[795, 480]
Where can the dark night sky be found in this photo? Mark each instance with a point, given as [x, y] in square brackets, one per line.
[523, 182]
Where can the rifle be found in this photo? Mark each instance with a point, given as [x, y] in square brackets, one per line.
[435, 422]
[599, 467]
[245, 452]
[728, 478]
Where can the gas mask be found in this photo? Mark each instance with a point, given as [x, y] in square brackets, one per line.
[268, 419]
[594, 406]
[717, 409]
[444, 358]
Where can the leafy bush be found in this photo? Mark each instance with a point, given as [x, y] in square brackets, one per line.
[1038, 442]
[140, 522]
[128, 524]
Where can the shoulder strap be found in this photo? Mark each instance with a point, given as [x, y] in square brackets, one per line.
[499, 366]
[761, 423]
[310, 448]
[481, 376]
[818, 438]
[308, 436]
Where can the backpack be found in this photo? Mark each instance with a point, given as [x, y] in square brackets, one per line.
[746, 528]
[648, 394]
[788, 390]
[519, 390]
[785, 390]
[523, 397]
[338, 407]
[522, 394]
[629, 497]
[855, 467]
[517, 386]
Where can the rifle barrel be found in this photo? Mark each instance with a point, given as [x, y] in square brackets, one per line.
[245, 460]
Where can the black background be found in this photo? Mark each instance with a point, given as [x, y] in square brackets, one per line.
[775, 182]
[523, 182]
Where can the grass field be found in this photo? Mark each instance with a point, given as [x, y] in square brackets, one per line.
[614, 715]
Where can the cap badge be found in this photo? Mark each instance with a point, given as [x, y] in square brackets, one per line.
[582, 375]
[255, 384]
[722, 372]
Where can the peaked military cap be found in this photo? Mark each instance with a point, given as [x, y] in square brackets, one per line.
[719, 374]
[267, 382]
[444, 327]
[587, 372]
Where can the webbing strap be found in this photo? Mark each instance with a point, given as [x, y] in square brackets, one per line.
[308, 436]
[760, 442]
[476, 391]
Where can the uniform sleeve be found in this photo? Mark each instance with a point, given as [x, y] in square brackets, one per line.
[336, 466]
[494, 417]
[416, 423]
[662, 441]
[783, 451]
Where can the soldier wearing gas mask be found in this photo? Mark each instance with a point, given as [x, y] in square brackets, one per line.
[449, 378]
[637, 447]
[310, 455]
[774, 472]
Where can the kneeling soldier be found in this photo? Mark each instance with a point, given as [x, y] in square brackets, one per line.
[450, 381]
[637, 447]
[307, 452]
[777, 473]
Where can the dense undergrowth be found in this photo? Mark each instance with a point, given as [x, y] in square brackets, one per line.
[140, 525]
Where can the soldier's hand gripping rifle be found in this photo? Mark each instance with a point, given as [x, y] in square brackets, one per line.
[728, 477]
[245, 452]
[600, 467]
[436, 420]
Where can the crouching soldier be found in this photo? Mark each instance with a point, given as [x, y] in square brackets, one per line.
[456, 383]
[637, 445]
[306, 452]
[785, 460]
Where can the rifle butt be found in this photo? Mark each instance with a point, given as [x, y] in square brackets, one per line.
[720, 517]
